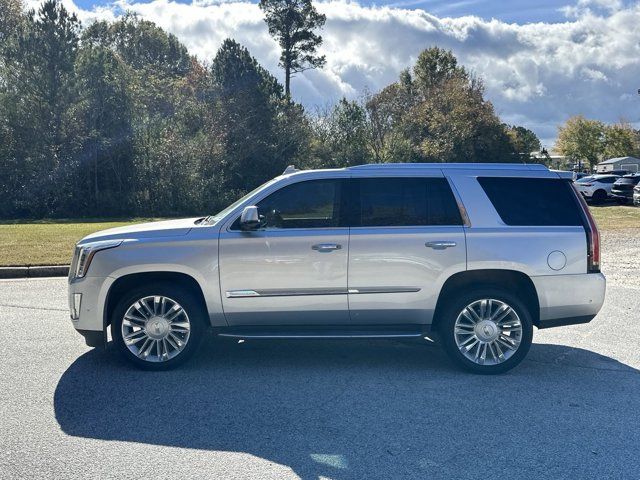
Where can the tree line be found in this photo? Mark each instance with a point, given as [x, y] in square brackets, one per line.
[118, 119]
[591, 141]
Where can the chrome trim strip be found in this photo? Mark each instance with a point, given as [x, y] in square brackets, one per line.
[242, 293]
[275, 336]
[367, 290]
[285, 292]
[317, 291]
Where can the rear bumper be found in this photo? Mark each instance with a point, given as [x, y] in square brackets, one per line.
[569, 299]
[622, 195]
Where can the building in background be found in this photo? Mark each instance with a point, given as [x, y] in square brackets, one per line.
[629, 164]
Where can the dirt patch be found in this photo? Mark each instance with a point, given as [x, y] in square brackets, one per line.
[621, 257]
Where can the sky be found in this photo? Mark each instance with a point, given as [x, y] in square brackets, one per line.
[541, 61]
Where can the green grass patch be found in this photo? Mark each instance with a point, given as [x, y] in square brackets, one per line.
[616, 217]
[49, 242]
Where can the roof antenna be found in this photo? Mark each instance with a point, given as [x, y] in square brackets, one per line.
[290, 169]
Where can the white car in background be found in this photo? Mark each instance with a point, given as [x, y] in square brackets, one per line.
[596, 187]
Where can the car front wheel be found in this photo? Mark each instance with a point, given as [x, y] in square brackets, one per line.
[599, 196]
[158, 327]
[486, 331]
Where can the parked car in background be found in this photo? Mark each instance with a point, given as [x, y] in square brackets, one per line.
[596, 188]
[474, 255]
[622, 189]
[636, 195]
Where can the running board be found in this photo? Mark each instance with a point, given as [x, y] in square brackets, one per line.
[293, 332]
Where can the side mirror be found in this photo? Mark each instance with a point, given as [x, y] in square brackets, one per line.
[250, 220]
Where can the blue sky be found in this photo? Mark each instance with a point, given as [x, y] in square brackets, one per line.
[516, 11]
[541, 61]
[510, 11]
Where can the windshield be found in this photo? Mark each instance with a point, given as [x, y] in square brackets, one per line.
[212, 220]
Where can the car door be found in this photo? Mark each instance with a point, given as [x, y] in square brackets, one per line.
[293, 270]
[606, 183]
[407, 241]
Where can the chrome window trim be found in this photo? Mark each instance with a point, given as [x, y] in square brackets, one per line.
[406, 227]
[286, 229]
[433, 172]
[273, 188]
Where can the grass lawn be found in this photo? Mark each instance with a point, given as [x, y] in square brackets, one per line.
[50, 242]
[616, 217]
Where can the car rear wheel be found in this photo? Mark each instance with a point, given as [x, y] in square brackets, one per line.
[486, 331]
[158, 327]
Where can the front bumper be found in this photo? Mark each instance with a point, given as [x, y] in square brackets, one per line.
[636, 198]
[586, 193]
[94, 338]
[87, 299]
[569, 299]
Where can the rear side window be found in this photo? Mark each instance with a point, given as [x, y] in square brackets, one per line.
[406, 202]
[533, 201]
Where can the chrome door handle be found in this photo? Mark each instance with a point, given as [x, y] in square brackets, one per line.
[440, 245]
[326, 247]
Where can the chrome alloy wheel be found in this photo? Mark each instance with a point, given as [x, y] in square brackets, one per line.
[155, 328]
[488, 332]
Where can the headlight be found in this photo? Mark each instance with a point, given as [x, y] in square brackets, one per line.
[84, 254]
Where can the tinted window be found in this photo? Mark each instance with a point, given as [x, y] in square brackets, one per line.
[311, 204]
[532, 201]
[406, 202]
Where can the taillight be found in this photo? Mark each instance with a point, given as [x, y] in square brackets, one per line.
[593, 236]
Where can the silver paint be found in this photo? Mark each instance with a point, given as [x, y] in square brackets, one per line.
[376, 275]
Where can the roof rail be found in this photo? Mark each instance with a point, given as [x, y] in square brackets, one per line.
[451, 166]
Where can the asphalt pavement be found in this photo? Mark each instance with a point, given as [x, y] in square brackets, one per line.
[308, 409]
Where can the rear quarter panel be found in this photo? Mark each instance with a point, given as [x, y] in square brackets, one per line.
[526, 249]
[491, 244]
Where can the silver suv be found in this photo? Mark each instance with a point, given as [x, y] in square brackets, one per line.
[469, 255]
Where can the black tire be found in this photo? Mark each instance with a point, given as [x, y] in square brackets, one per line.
[454, 308]
[190, 303]
[599, 196]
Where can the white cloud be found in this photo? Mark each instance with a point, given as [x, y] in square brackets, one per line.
[589, 6]
[85, 16]
[536, 75]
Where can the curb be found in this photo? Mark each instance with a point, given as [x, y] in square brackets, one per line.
[34, 272]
